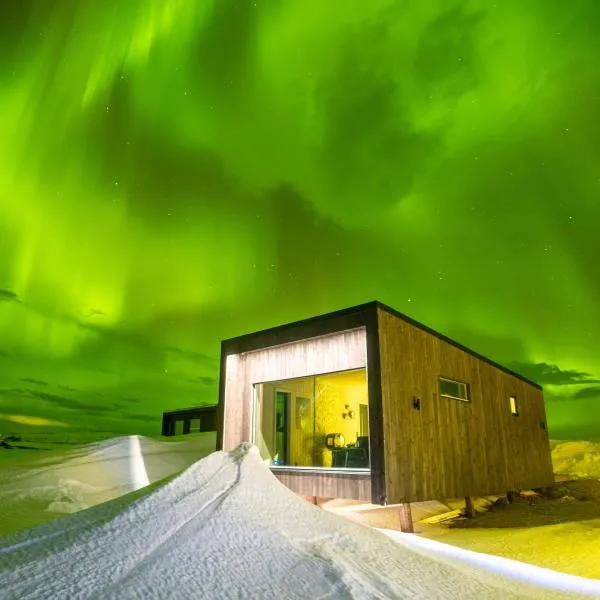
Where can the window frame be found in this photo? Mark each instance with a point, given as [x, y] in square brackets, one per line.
[467, 388]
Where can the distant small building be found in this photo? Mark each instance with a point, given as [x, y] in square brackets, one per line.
[366, 403]
[198, 419]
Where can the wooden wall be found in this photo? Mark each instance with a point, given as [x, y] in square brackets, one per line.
[325, 354]
[450, 448]
[356, 486]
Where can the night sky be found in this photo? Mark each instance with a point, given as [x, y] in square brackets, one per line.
[176, 172]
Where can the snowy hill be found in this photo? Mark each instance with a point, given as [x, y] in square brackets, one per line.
[35, 489]
[226, 528]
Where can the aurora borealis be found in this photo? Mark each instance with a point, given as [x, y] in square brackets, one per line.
[177, 172]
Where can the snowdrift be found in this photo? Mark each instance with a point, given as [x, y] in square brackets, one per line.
[226, 528]
[40, 490]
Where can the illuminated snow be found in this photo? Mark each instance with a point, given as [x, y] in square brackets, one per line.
[138, 477]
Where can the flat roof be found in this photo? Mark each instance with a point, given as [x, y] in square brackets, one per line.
[204, 408]
[334, 322]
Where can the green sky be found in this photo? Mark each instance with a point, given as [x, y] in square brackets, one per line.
[177, 172]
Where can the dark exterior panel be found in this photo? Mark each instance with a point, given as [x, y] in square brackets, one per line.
[221, 403]
[376, 438]
[206, 414]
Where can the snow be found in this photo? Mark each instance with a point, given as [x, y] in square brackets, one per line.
[226, 528]
[36, 487]
[559, 531]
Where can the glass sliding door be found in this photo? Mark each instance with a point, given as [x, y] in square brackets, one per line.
[317, 421]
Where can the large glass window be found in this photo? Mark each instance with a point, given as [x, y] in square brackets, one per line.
[318, 421]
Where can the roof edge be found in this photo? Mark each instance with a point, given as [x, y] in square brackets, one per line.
[377, 305]
[309, 320]
[190, 408]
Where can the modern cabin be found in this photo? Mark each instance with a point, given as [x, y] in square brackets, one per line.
[365, 403]
[198, 419]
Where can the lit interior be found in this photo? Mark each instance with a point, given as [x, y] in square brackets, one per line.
[513, 405]
[317, 421]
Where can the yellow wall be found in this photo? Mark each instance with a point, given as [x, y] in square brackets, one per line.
[307, 435]
[333, 392]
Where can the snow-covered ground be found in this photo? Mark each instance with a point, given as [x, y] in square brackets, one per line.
[64, 476]
[51, 477]
[560, 531]
[226, 528]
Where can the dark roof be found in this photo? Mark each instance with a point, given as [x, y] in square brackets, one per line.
[333, 322]
[204, 408]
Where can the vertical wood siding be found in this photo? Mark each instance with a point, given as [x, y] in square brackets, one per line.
[450, 448]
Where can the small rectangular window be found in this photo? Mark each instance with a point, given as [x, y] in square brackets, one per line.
[514, 410]
[454, 389]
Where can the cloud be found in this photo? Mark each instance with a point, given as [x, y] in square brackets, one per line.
[103, 370]
[194, 356]
[587, 392]
[370, 147]
[31, 380]
[13, 391]
[68, 403]
[8, 296]
[145, 418]
[546, 374]
[203, 380]
[66, 388]
[131, 400]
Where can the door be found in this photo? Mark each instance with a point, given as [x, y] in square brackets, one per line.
[282, 427]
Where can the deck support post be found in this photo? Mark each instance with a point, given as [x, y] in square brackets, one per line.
[469, 509]
[510, 496]
[406, 522]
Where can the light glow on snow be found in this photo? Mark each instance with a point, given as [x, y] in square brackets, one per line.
[531, 574]
[137, 469]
